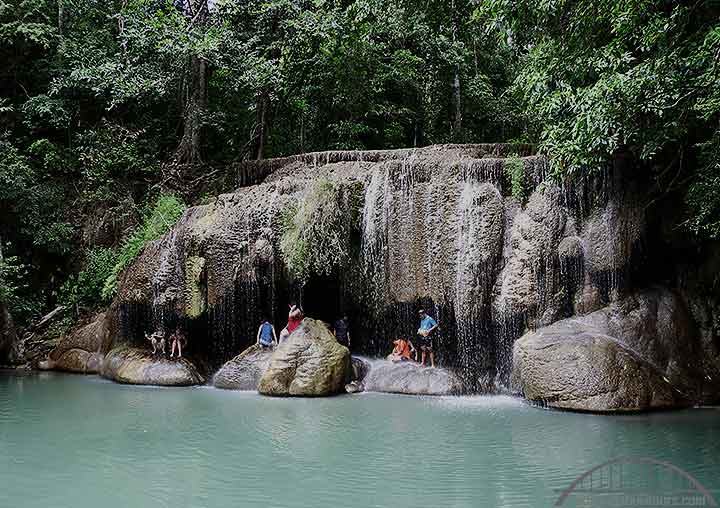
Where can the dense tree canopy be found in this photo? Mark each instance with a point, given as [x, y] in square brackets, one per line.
[105, 106]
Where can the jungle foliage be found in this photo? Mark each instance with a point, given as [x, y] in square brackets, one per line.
[104, 106]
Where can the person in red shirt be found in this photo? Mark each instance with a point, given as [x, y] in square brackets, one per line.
[295, 317]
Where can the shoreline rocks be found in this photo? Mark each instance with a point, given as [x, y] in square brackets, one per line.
[139, 367]
[83, 350]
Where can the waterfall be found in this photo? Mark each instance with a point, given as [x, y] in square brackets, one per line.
[439, 229]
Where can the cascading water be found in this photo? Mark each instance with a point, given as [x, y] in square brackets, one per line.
[438, 230]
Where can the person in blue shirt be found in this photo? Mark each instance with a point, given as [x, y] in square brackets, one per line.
[266, 335]
[426, 331]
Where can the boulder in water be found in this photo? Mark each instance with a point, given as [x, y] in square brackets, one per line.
[139, 367]
[573, 364]
[411, 379]
[309, 363]
[245, 370]
[83, 350]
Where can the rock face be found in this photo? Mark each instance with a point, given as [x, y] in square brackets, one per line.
[500, 263]
[83, 351]
[640, 353]
[139, 367]
[411, 379]
[245, 370]
[309, 363]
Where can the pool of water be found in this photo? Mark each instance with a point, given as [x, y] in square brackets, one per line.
[75, 441]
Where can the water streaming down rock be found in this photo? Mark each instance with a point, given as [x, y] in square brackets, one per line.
[439, 230]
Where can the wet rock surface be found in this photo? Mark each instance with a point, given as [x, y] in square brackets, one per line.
[500, 264]
[309, 363]
[640, 353]
[411, 379]
[140, 367]
[245, 370]
[82, 351]
[360, 368]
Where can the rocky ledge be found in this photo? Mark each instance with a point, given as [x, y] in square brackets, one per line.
[411, 379]
[138, 367]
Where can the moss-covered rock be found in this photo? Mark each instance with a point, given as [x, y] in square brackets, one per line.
[309, 363]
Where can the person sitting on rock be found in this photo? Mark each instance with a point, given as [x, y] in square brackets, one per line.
[402, 352]
[266, 337]
[427, 327]
[341, 332]
[177, 341]
[295, 317]
[157, 339]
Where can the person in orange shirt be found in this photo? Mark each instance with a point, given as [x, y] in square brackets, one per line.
[402, 352]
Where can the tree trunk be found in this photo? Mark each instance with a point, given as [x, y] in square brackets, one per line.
[195, 101]
[121, 32]
[261, 123]
[457, 120]
[193, 94]
[61, 16]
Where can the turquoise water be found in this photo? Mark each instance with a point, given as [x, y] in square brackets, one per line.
[75, 441]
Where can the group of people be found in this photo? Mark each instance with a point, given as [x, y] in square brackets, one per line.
[405, 350]
[267, 338]
[177, 341]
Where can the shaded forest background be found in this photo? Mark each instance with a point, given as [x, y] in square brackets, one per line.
[116, 114]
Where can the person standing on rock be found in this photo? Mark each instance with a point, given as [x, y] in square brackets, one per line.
[266, 335]
[295, 317]
[341, 331]
[178, 340]
[427, 328]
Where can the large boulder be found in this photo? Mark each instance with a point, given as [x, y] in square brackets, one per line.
[245, 370]
[629, 356]
[411, 379]
[139, 367]
[83, 350]
[309, 363]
